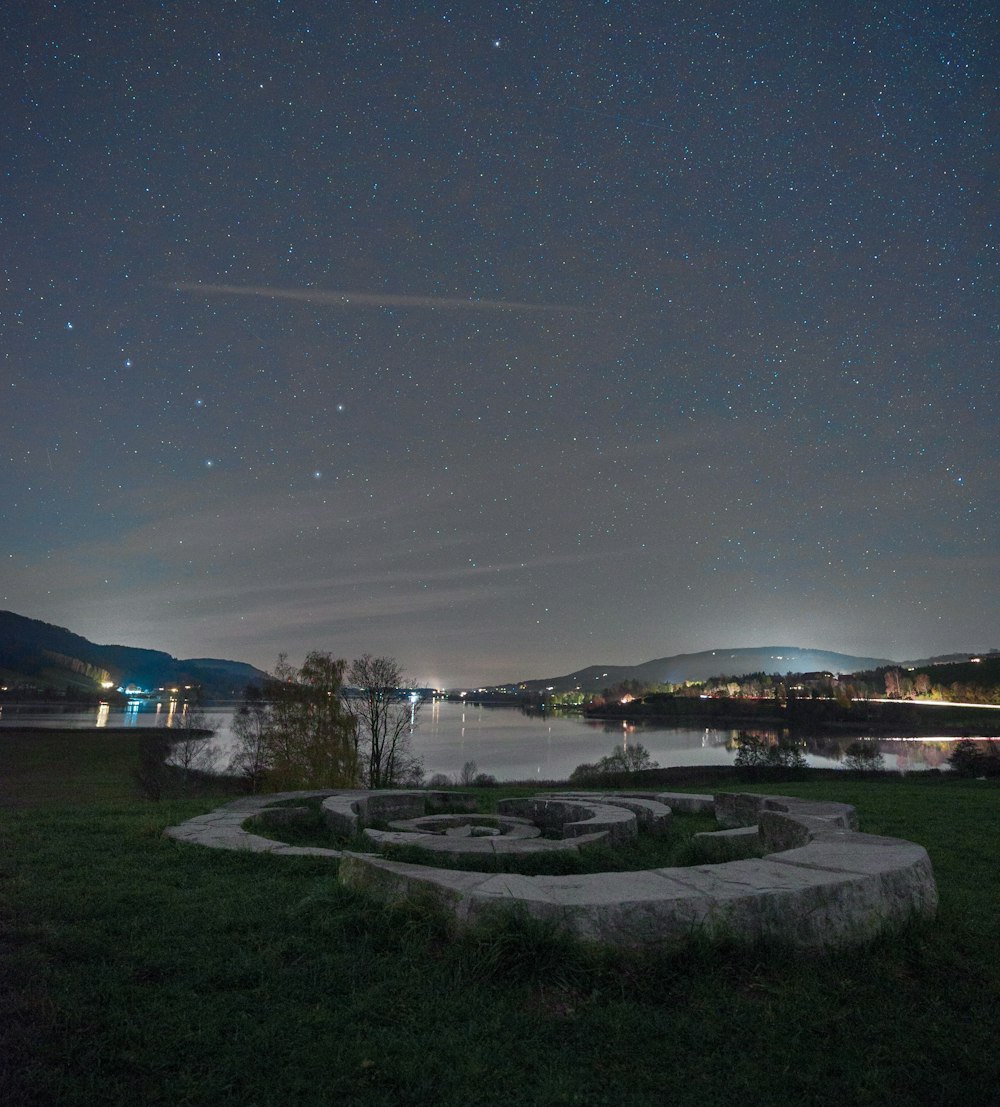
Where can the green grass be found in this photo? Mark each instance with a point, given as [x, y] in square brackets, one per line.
[139, 970]
[47, 766]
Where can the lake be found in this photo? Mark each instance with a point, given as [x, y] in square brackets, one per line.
[509, 744]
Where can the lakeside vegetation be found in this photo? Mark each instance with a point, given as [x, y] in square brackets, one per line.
[803, 716]
[138, 969]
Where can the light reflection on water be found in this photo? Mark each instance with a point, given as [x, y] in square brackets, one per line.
[508, 744]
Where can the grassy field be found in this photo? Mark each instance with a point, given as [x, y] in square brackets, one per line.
[139, 970]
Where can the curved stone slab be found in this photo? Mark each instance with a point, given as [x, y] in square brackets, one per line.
[838, 888]
[736, 809]
[507, 826]
[728, 845]
[349, 811]
[687, 803]
[223, 829]
[651, 815]
[572, 818]
[477, 848]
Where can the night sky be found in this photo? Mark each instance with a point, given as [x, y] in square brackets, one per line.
[504, 338]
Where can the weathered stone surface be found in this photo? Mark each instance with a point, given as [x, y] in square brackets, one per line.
[728, 845]
[433, 843]
[651, 815]
[572, 818]
[547, 845]
[349, 811]
[506, 825]
[472, 848]
[223, 829]
[388, 881]
[735, 809]
[902, 870]
[687, 803]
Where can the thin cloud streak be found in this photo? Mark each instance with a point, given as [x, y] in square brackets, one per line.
[330, 298]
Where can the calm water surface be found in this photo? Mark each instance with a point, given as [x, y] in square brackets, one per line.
[508, 744]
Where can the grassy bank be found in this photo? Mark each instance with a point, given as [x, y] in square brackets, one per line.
[135, 969]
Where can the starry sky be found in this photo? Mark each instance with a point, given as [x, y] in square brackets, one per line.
[504, 338]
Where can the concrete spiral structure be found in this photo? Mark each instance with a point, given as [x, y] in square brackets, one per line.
[786, 870]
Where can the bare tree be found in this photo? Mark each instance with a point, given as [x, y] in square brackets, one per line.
[384, 711]
[191, 748]
[249, 727]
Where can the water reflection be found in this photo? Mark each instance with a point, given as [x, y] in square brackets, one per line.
[511, 745]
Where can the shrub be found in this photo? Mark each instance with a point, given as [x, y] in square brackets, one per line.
[970, 758]
[754, 752]
[863, 756]
[751, 750]
[631, 760]
[151, 774]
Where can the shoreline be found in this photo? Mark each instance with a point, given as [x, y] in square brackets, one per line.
[815, 716]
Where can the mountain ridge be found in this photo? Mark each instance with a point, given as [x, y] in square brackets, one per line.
[41, 655]
[732, 661]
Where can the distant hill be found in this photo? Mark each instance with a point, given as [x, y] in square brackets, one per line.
[40, 656]
[946, 659]
[708, 663]
[975, 675]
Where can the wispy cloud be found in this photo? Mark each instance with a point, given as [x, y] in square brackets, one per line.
[330, 298]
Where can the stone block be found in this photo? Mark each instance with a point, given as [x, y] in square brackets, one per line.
[651, 815]
[389, 881]
[728, 845]
[340, 815]
[574, 817]
[687, 803]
